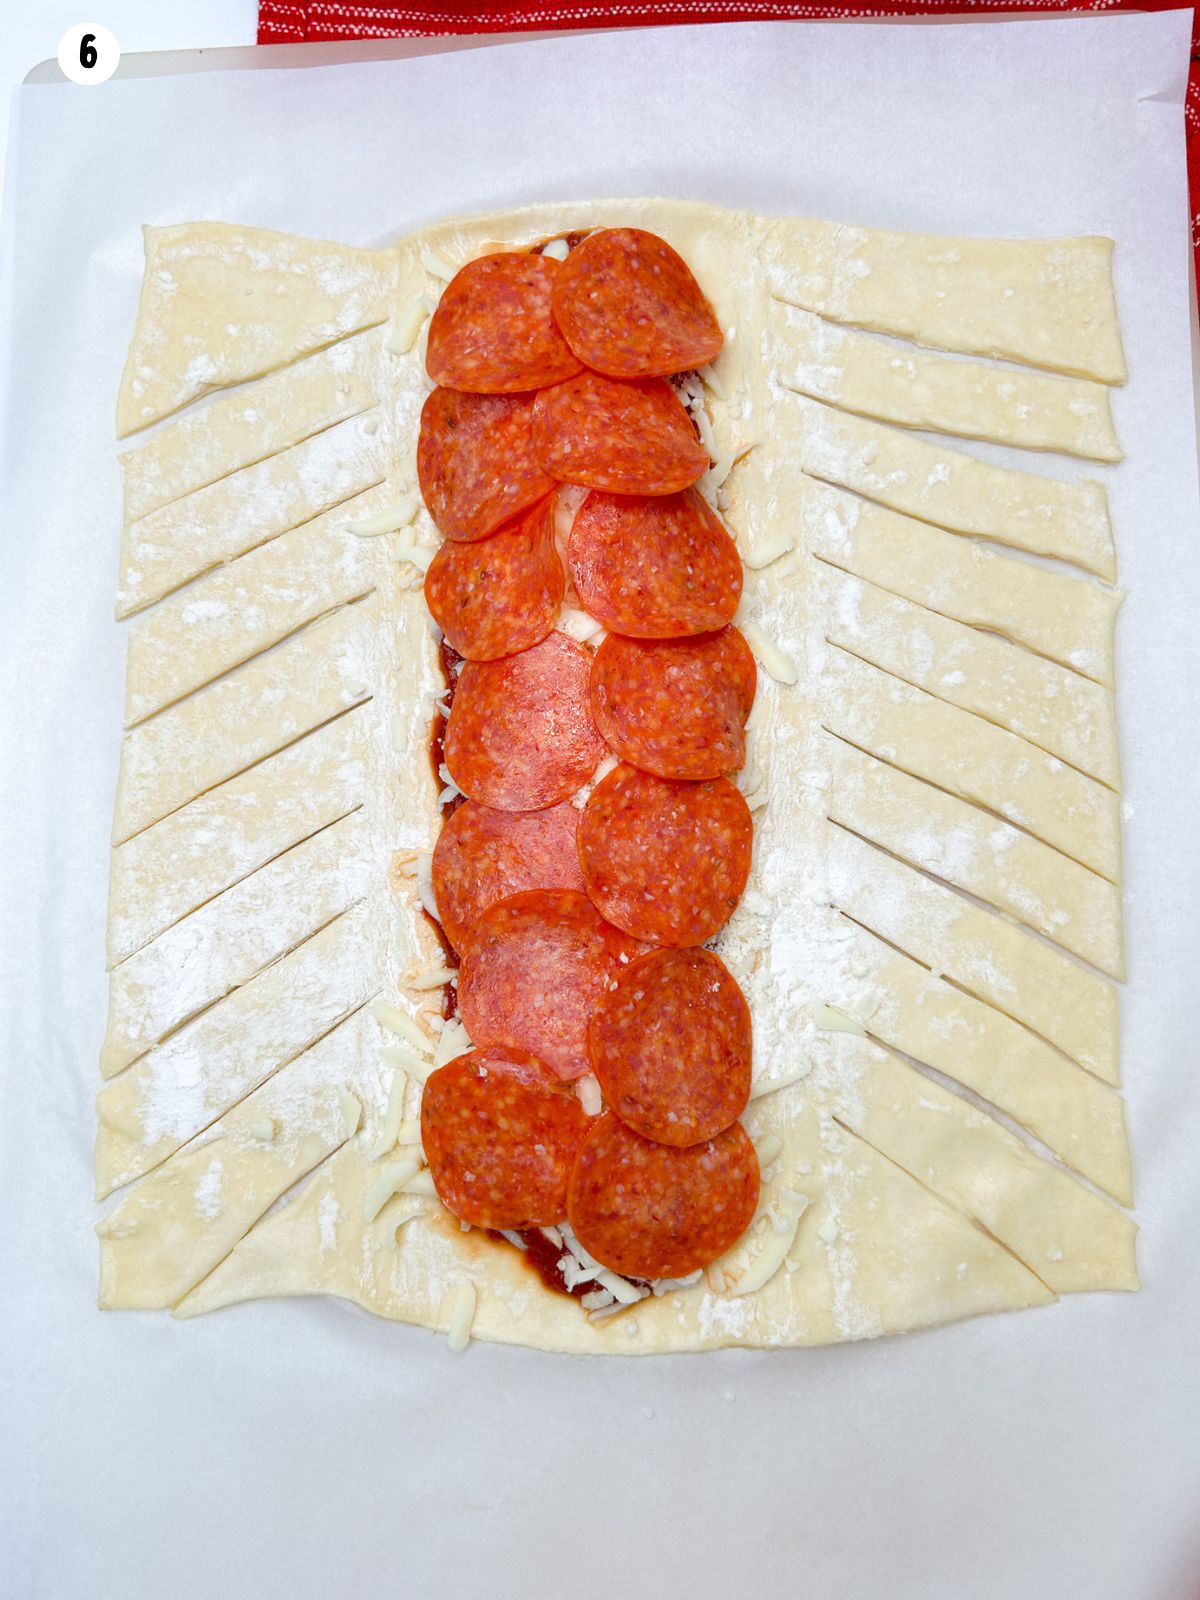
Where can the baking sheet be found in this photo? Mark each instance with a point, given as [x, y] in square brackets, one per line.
[305, 1449]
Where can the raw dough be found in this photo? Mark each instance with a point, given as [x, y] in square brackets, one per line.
[990, 859]
[962, 753]
[1005, 404]
[163, 550]
[240, 429]
[265, 805]
[1048, 516]
[1067, 715]
[1048, 302]
[1070, 620]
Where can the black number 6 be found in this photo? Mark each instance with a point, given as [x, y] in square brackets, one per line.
[87, 51]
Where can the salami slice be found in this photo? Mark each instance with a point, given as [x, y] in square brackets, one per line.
[667, 862]
[520, 735]
[475, 461]
[655, 566]
[670, 1046]
[501, 1133]
[533, 972]
[629, 306]
[630, 438]
[483, 856]
[497, 596]
[650, 1210]
[493, 332]
[676, 707]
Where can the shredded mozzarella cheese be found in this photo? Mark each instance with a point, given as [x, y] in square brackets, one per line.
[710, 377]
[588, 1090]
[397, 515]
[437, 266]
[762, 555]
[771, 1257]
[765, 1085]
[557, 250]
[393, 1115]
[395, 1055]
[780, 666]
[455, 1041]
[351, 1108]
[399, 1022]
[462, 1315]
[406, 325]
[390, 1181]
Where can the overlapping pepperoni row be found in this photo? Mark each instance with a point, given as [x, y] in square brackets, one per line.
[578, 931]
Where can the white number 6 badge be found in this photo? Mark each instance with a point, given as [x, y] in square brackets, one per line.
[88, 53]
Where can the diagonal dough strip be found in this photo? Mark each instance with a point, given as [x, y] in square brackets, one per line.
[880, 379]
[1046, 516]
[1074, 1114]
[245, 607]
[212, 1063]
[976, 760]
[237, 430]
[1060, 1229]
[1068, 716]
[224, 943]
[163, 551]
[174, 1225]
[1047, 302]
[228, 726]
[1070, 620]
[292, 296]
[222, 837]
[956, 842]
[1067, 1004]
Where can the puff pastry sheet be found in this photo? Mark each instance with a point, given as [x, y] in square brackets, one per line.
[933, 926]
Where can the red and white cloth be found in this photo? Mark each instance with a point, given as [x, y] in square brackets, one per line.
[299, 21]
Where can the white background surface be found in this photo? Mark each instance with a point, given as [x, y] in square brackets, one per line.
[30, 31]
[303, 1449]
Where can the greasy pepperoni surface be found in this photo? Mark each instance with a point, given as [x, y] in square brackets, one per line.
[629, 306]
[650, 1210]
[496, 596]
[655, 566]
[520, 735]
[492, 331]
[500, 1133]
[667, 862]
[483, 856]
[475, 461]
[630, 438]
[675, 707]
[670, 1046]
[534, 971]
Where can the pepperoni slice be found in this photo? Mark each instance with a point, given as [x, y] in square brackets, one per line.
[475, 461]
[630, 438]
[501, 1134]
[667, 862]
[483, 856]
[650, 1210]
[520, 735]
[676, 707]
[534, 972]
[629, 306]
[493, 333]
[497, 596]
[655, 566]
[670, 1046]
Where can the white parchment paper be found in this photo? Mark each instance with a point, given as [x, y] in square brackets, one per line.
[304, 1449]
